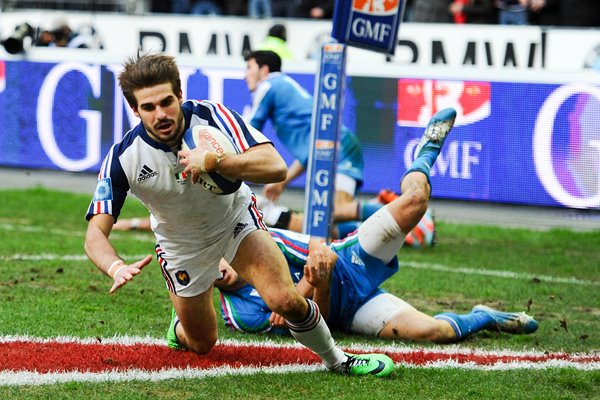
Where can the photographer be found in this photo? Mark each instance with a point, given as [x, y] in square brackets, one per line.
[61, 35]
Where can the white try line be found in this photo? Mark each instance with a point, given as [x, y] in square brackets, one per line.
[141, 237]
[499, 274]
[404, 264]
[147, 238]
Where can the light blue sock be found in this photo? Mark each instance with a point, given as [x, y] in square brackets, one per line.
[425, 160]
[366, 209]
[467, 324]
[346, 228]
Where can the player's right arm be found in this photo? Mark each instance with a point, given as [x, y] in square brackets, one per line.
[102, 253]
[104, 209]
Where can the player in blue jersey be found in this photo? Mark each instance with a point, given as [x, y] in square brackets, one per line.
[280, 99]
[344, 276]
[194, 228]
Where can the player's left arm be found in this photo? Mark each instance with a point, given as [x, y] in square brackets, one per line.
[259, 164]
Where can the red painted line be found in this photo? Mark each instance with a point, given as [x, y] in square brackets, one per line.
[46, 356]
[68, 357]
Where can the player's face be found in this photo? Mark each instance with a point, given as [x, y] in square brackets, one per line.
[160, 111]
[252, 76]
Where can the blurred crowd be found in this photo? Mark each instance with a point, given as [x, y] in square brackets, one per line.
[585, 13]
[505, 12]
[569, 13]
[253, 8]
[574, 13]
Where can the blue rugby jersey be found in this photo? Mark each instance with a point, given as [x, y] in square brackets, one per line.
[282, 100]
[355, 280]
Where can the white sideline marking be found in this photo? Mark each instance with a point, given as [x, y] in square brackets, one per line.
[40, 229]
[34, 378]
[405, 264]
[500, 274]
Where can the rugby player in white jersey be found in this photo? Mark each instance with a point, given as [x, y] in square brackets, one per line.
[194, 228]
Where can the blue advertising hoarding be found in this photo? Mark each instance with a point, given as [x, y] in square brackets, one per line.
[514, 142]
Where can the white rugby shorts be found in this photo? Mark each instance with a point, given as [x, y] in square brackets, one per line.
[376, 313]
[191, 274]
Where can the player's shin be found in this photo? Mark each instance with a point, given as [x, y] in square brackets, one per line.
[313, 332]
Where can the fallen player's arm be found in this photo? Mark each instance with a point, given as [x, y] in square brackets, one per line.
[317, 275]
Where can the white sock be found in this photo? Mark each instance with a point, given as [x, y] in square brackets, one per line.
[314, 333]
[271, 212]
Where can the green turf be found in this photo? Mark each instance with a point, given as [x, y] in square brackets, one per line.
[53, 297]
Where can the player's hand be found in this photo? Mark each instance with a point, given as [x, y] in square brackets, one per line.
[277, 321]
[194, 161]
[318, 269]
[272, 191]
[126, 273]
[230, 280]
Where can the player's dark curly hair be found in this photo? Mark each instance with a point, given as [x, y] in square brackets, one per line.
[146, 70]
[265, 57]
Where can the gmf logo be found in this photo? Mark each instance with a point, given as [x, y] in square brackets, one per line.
[376, 7]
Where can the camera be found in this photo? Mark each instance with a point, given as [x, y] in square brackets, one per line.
[14, 43]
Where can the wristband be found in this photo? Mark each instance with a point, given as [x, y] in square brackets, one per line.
[114, 265]
[134, 223]
[218, 164]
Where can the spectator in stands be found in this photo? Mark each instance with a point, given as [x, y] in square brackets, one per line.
[431, 11]
[408, 7]
[198, 7]
[284, 8]
[474, 11]
[512, 12]
[544, 12]
[276, 41]
[315, 9]
[259, 8]
[580, 12]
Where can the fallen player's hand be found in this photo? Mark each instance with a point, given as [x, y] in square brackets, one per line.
[318, 268]
[126, 272]
[277, 321]
[272, 191]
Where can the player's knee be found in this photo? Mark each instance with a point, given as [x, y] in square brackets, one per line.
[418, 197]
[201, 345]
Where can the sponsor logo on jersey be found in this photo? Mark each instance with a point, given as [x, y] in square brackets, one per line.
[103, 190]
[181, 177]
[146, 173]
[238, 229]
[357, 260]
[182, 277]
[207, 185]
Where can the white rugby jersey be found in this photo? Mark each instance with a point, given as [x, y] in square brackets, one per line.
[185, 217]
